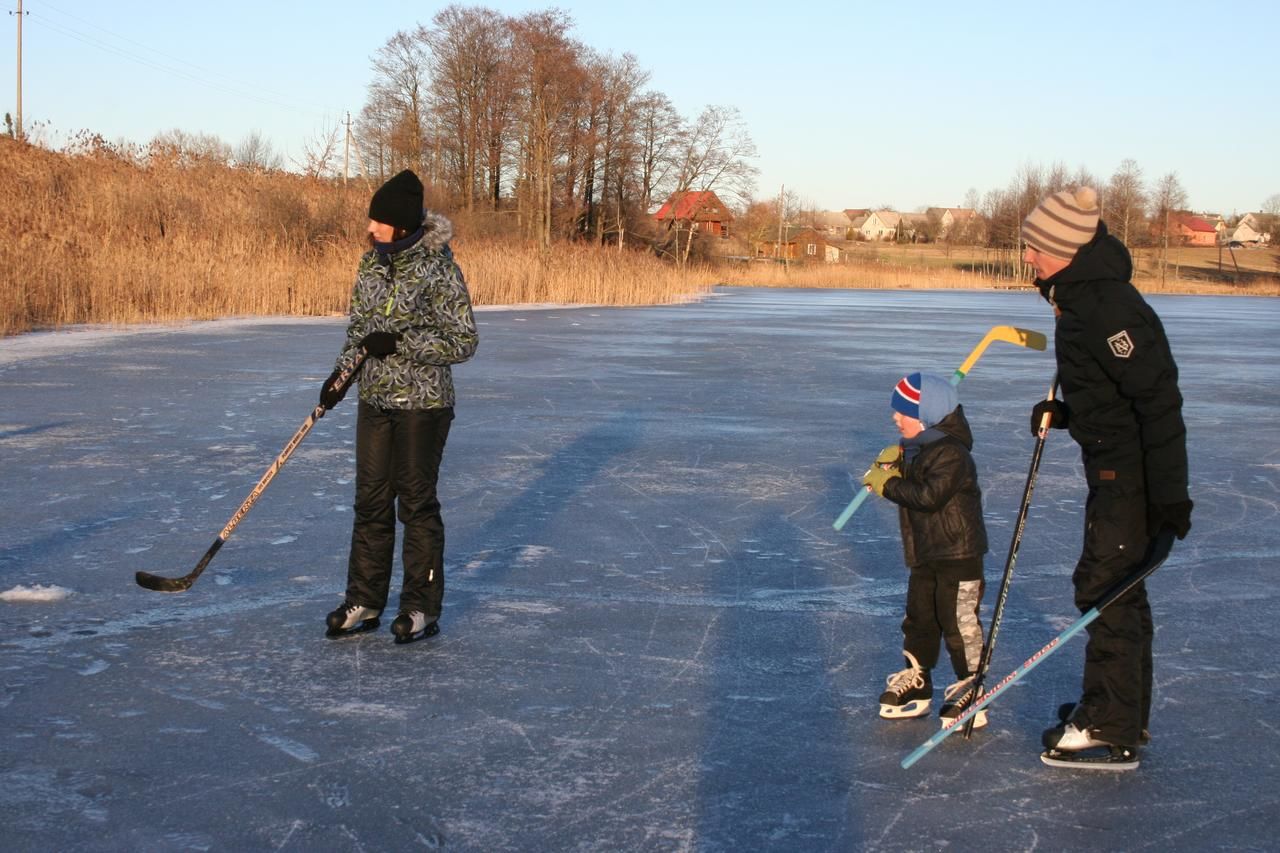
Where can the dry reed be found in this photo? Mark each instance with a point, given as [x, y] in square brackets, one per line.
[104, 236]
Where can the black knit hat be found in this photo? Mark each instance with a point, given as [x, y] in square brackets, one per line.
[398, 202]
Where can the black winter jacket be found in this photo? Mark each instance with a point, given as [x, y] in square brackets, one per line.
[940, 504]
[1117, 374]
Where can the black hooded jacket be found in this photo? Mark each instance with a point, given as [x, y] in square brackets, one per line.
[1117, 374]
[940, 504]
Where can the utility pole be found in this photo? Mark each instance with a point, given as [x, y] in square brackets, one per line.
[18, 126]
[777, 246]
[346, 150]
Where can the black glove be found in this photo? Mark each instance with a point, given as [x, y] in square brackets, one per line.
[380, 344]
[1059, 411]
[1175, 516]
[330, 392]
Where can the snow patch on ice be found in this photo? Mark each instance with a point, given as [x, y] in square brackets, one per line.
[367, 709]
[35, 593]
[300, 751]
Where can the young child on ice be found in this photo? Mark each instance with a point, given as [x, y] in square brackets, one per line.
[932, 478]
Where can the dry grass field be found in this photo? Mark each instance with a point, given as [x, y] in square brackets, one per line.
[101, 237]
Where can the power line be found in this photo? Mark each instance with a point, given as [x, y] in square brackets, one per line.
[199, 75]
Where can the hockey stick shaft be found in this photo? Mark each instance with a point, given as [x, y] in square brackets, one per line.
[1022, 337]
[181, 584]
[1157, 552]
[988, 648]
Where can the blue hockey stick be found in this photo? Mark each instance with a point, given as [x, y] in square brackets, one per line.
[1157, 552]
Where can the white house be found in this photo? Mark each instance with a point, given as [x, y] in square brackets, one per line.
[1247, 231]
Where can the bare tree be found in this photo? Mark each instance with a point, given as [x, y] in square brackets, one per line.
[548, 75]
[657, 135]
[398, 96]
[320, 152]
[188, 148]
[715, 153]
[255, 152]
[468, 48]
[1167, 198]
[1124, 201]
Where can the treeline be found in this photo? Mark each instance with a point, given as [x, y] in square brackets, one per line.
[514, 116]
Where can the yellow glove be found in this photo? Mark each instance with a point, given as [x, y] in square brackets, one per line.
[891, 455]
[876, 477]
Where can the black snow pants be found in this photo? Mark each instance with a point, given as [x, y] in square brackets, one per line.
[398, 455]
[1116, 697]
[942, 606]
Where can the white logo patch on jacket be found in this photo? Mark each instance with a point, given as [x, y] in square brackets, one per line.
[1121, 345]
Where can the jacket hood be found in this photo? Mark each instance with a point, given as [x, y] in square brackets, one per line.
[954, 425]
[1104, 258]
[436, 231]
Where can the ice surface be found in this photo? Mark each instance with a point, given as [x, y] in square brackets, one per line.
[652, 639]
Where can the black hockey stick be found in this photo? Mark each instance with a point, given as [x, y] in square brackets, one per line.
[1157, 553]
[1019, 526]
[182, 584]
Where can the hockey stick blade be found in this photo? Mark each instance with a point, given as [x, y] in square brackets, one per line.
[1028, 338]
[146, 580]
[1157, 553]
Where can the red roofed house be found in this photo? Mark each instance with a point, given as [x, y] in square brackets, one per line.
[1192, 230]
[701, 208]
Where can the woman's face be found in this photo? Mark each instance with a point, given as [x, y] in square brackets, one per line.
[381, 231]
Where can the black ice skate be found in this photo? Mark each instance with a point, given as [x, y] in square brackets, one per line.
[413, 625]
[351, 619]
[956, 700]
[1081, 749]
[908, 692]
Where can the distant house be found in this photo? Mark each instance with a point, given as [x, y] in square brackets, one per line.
[1192, 230]
[805, 245]
[880, 225]
[913, 227]
[701, 209]
[954, 222]
[835, 223]
[1247, 231]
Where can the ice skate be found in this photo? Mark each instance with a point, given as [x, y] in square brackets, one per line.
[908, 692]
[413, 625]
[1070, 746]
[351, 619]
[956, 700]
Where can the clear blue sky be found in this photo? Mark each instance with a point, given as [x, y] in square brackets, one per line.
[850, 104]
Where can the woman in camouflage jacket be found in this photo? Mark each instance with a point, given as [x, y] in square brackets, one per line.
[411, 314]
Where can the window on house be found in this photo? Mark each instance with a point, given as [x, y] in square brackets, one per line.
[811, 249]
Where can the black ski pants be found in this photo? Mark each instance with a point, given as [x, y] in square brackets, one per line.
[398, 455]
[1116, 697]
[942, 607]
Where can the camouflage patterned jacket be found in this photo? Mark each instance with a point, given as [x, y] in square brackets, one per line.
[420, 293]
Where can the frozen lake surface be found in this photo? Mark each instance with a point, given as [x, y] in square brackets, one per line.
[652, 637]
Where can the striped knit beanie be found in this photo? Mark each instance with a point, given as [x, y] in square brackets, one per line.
[925, 397]
[1062, 223]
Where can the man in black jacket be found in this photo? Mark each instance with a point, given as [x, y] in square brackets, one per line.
[1121, 404]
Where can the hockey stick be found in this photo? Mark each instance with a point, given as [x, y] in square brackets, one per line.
[1156, 554]
[1010, 334]
[182, 584]
[1019, 526]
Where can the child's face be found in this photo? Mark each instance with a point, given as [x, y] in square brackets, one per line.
[908, 426]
